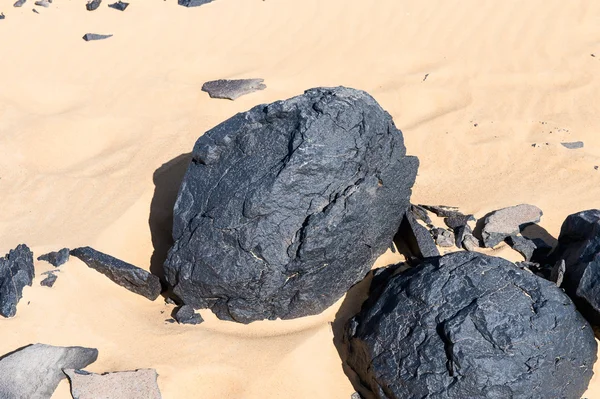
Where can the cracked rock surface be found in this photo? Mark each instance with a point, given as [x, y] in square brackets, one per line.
[16, 271]
[35, 371]
[579, 248]
[468, 325]
[286, 206]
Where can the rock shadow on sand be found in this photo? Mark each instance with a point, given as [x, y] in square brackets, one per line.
[167, 180]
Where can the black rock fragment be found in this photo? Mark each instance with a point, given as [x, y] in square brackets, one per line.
[56, 258]
[19, 3]
[125, 274]
[2, 16]
[42, 3]
[442, 210]
[35, 371]
[468, 325]
[232, 89]
[93, 5]
[558, 272]
[119, 5]
[187, 315]
[506, 222]
[458, 220]
[532, 249]
[49, 280]
[35, 11]
[88, 37]
[579, 248]
[286, 206]
[193, 3]
[414, 240]
[443, 238]
[16, 271]
[574, 145]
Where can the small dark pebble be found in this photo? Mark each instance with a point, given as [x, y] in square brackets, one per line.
[93, 4]
[35, 11]
[42, 3]
[94, 36]
[19, 3]
[2, 15]
[169, 301]
[425, 78]
[119, 5]
[596, 167]
[49, 281]
[170, 321]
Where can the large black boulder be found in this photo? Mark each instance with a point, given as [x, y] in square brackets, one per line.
[468, 325]
[286, 206]
[579, 247]
[16, 271]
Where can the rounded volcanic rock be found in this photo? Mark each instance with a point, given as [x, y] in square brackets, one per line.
[286, 206]
[468, 325]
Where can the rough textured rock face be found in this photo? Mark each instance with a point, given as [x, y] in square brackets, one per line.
[508, 222]
[187, 315]
[35, 371]
[125, 274]
[138, 384]
[284, 207]
[579, 248]
[16, 271]
[414, 240]
[470, 326]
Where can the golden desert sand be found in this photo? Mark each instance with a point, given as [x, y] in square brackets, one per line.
[86, 126]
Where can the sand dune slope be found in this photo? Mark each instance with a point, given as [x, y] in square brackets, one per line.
[92, 136]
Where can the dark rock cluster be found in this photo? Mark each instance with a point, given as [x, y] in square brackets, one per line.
[468, 325]
[285, 206]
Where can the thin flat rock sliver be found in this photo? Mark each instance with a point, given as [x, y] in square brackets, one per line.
[88, 37]
[232, 89]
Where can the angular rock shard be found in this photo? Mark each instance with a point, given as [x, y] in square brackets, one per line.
[19, 3]
[232, 89]
[56, 258]
[42, 3]
[16, 271]
[93, 5]
[187, 315]
[579, 248]
[88, 37]
[193, 3]
[286, 206]
[35, 371]
[125, 274]
[467, 325]
[421, 213]
[49, 280]
[414, 240]
[138, 384]
[442, 210]
[574, 145]
[507, 222]
[119, 5]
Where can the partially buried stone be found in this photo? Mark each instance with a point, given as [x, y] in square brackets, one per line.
[574, 145]
[88, 37]
[35, 371]
[286, 206]
[93, 5]
[193, 3]
[125, 274]
[415, 240]
[443, 238]
[19, 3]
[16, 271]
[119, 5]
[56, 258]
[579, 248]
[506, 222]
[232, 89]
[187, 315]
[472, 326]
[138, 384]
[531, 249]
[49, 280]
